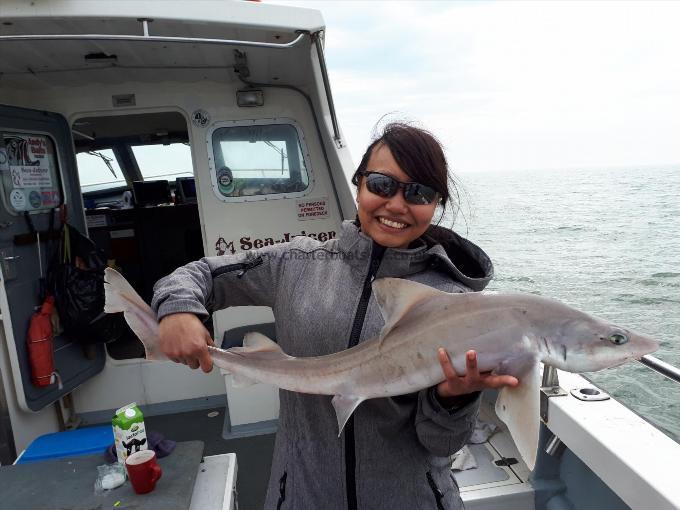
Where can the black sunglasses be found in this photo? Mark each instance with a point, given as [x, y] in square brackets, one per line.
[387, 186]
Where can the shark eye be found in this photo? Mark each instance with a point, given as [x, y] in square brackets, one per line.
[618, 338]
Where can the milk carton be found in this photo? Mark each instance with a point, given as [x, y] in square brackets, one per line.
[129, 433]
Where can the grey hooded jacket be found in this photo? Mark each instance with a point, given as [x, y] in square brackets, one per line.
[395, 452]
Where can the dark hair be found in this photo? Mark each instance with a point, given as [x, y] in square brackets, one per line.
[417, 152]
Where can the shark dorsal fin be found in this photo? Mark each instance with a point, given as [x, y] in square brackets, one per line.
[254, 341]
[258, 346]
[396, 296]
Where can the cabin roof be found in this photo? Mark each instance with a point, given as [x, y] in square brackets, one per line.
[203, 18]
[37, 64]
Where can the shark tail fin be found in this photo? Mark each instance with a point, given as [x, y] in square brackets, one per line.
[119, 294]
[121, 297]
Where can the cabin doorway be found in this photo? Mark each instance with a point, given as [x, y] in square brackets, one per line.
[139, 194]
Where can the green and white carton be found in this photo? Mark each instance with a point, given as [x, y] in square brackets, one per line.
[129, 433]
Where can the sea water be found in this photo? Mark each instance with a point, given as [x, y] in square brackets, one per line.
[606, 241]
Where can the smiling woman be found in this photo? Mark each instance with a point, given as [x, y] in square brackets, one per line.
[405, 159]
[320, 291]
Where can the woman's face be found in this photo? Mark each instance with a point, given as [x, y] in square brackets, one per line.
[391, 222]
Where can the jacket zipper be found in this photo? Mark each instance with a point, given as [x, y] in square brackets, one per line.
[242, 267]
[350, 452]
[282, 490]
[438, 495]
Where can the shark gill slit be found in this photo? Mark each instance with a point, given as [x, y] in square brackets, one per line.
[564, 352]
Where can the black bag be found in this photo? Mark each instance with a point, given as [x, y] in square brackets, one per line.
[76, 279]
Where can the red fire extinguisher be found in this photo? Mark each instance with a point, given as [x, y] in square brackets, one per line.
[40, 345]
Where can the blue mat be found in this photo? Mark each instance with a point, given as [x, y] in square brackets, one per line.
[71, 443]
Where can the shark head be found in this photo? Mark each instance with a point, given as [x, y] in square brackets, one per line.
[588, 344]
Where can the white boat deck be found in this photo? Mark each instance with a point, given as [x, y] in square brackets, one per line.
[492, 486]
[215, 487]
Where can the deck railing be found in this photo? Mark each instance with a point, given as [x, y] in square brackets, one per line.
[662, 367]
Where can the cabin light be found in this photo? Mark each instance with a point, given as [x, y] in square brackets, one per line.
[249, 97]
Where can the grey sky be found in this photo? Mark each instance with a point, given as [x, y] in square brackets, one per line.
[512, 85]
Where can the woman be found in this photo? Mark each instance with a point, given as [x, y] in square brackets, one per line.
[393, 452]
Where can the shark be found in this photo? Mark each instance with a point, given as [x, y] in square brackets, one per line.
[512, 333]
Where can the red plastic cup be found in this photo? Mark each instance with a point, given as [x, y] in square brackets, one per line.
[143, 471]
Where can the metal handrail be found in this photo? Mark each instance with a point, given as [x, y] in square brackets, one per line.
[662, 367]
[147, 37]
[152, 38]
[316, 38]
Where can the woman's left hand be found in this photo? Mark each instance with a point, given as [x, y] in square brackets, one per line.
[456, 385]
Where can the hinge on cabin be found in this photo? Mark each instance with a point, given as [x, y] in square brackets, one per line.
[550, 387]
[71, 420]
[241, 64]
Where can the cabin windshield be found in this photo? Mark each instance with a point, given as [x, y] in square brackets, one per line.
[99, 170]
[163, 161]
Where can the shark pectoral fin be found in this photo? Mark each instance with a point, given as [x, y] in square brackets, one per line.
[344, 407]
[519, 408]
[396, 296]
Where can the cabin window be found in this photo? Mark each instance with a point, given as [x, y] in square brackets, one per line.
[258, 160]
[30, 172]
[99, 170]
[164, 161]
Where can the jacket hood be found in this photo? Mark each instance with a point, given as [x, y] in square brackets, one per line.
[460, 257]
[439, 248]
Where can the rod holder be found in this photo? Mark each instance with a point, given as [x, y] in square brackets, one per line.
[550, 378]
[550, 387]
[554, 447]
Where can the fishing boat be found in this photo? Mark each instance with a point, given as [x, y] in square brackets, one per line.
[166, 131]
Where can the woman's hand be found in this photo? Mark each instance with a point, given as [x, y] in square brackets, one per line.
[184, 339]
[472, 381]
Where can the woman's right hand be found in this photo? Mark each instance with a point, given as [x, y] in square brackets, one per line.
[184, 339]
